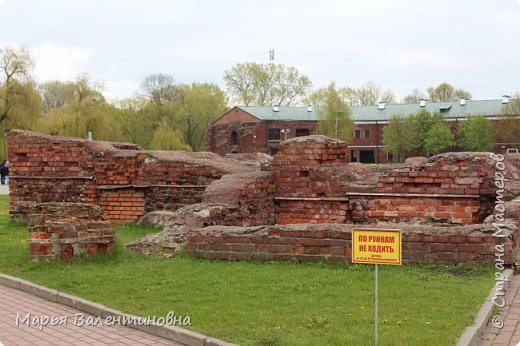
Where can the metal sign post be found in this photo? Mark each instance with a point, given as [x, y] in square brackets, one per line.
[376, 246]
[377, 305]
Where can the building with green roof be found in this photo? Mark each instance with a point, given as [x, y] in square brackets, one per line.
[380, 113]
[245, 129]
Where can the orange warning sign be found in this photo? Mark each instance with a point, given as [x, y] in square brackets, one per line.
[376, 246]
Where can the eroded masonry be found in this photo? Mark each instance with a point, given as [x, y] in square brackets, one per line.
[302, 204]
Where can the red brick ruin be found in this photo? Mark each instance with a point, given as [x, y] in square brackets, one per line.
[125, 181]
[302, 204]
[66, 230]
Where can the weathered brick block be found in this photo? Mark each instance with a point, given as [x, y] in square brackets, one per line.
[67, 230]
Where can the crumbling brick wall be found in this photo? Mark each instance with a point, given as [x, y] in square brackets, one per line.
[314, 185]
[370, 208]
[307, 173]
[44, 168]
[172, 198]
[67, 230]
[308, 181]
[317, 198]
[124, 179]
[450, 188]
[456, 245]
[252, 193]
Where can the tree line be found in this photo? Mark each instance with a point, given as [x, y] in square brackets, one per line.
[255, 84]
[428, 134]
[164, 115]
[169, 115]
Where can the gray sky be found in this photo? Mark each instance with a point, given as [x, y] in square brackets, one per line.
[399, 44]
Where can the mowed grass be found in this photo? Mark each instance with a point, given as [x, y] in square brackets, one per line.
[274, 303]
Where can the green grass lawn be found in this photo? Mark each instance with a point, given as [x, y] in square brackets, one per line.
[274, 303]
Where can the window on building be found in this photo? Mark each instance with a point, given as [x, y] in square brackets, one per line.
[367, 133]
[302, 132]
[234, 138]
[353, 156]
[512, 150]
[357, 134]
[390, 157]
[273, 134]
[367, 156]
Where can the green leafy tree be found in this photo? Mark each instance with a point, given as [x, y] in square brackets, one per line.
[186, 109]
[439, 137]
[253, 84]
[81, 108]
[20, 103]
[423, 122]
[24, 106]
[477, 134]
[137, 124]
[76, 94]
[200, 104]
[54, 95]
[334, 118]
[399, 136]
[101, 120]
[15, 82]
[166, 138]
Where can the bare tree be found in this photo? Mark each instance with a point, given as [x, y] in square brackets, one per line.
[387, 96]
[508, 127]
[414, 97]
[368, 94]
[159, 88]
[15, 64]
[445, 92]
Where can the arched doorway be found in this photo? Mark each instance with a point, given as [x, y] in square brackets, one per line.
[234, 138]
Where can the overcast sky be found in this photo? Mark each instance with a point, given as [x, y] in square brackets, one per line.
[399, 44]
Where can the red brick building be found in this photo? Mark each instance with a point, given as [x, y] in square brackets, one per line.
[261, 129]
